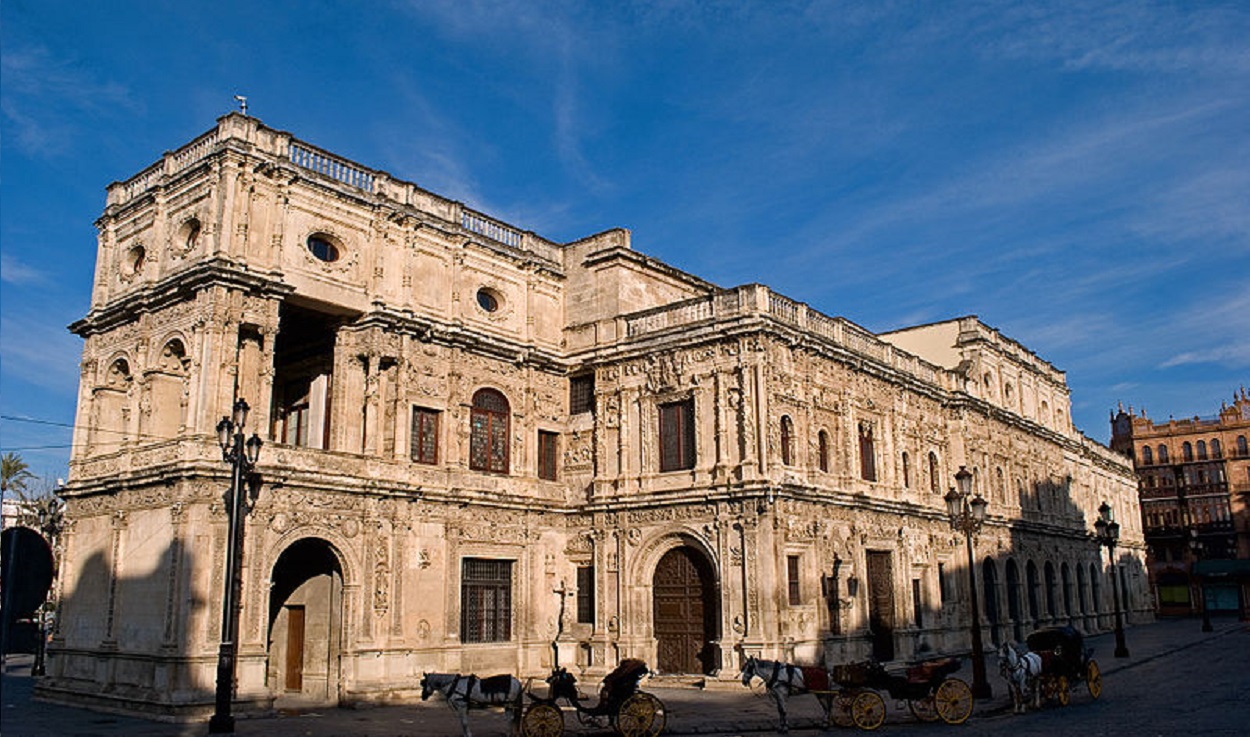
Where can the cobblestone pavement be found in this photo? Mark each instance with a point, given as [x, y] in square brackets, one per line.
[727, 708]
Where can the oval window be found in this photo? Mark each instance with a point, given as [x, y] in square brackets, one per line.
[191, 233]
[487, 300]
[322, 248]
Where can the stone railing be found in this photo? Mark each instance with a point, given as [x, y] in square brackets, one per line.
[475, 222]
[172, 163]
[307, 157]
[755, 299]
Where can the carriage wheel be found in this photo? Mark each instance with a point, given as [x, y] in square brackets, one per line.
[641, 715]
[1063, 691]
[924, 709]
[1047, 685]
[868, 710]
[1093, 679]
[841, 711]
[542, 720]
[953, 700]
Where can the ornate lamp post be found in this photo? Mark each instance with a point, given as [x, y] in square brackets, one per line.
[1199, 549]
[967, 515]
[242, 456]
[1107, 532]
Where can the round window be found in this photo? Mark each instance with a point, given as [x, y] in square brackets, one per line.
[487, 300]
[322, 248]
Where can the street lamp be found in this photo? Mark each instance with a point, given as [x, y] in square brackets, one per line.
[967, 516]
[242, 456]
[1199, 550]
[1107, 532]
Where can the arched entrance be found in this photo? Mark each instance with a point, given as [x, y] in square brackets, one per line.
[989, 574]
[686, 612]
[1013, 601]
[305, 625]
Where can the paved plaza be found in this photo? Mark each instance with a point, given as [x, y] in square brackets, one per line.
[727, 708]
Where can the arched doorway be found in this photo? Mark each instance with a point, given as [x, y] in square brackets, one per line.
[305, 625]
[686, 613]
[1013, 600]
[989, 574]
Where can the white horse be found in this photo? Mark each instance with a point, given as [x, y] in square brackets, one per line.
[465, 691]
[1022, 669]
[782, 680]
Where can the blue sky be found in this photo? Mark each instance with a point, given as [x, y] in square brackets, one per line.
[1075, 173]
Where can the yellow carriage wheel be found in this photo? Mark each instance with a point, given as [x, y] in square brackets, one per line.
[868, 710]
[924, 709]
[641, 715]
[1093, 679]
[841, 711]
[542, 720]
[1063, 690]
[953, 700]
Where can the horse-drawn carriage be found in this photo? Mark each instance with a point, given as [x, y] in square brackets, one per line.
[929, 689]
[1065, 662]
[629, 711]
[850, 693]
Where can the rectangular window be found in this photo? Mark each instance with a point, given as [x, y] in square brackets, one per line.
[485, 600]
[792, 578]
[917, 603]
[548, 447]
[581, 394]
[677, 435]
[424, 440]
[942, 583]
[586, 594]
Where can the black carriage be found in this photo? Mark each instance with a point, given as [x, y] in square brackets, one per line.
[929, 689]
[1065, 662]
[629, 711]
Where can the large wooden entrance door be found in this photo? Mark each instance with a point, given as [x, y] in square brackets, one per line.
[684, 611]
[881, 604]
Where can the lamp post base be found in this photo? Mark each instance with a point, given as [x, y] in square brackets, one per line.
[221, 724]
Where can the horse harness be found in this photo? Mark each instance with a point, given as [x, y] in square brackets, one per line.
[775, 678]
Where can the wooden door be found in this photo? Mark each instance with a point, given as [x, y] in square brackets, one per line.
[881, 604]
[295, 648]
[679, 613]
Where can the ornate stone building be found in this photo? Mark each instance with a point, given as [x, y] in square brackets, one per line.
[485, 450]
[1194, 483]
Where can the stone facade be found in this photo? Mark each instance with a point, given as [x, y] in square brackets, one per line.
[1194, 484]
[486, 451]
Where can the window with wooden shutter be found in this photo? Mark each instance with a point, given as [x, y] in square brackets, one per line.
[424, 440]
[485, 600]
[548, 447]
[488, 432]
[677, 435]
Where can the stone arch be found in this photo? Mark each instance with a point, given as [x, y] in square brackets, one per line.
[685, 602]
[989, 578]
[305, 621]
[111, 412]
[1013, 600]
[168, 386]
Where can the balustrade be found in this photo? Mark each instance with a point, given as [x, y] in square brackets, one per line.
[335, 168]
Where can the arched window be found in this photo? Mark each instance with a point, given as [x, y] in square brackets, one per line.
[1147, 457]
[787, 440]
[1217, 452]
[906, 472]
[1163, 453]
[1202, 450]
[1187, 451]
[488, 432]
[1242, 450]
[822, 450]
[1000, 485]
[867, 458]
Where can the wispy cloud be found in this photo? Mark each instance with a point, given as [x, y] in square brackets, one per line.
[13, 271]
[48, 98]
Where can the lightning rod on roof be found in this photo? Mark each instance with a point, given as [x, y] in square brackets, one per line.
[242, 103]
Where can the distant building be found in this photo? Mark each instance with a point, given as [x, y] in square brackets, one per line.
[485, 450]
[1194, 482]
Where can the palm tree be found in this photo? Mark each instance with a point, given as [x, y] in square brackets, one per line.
[14, 473]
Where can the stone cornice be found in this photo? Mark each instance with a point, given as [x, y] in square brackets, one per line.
[179, 287]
